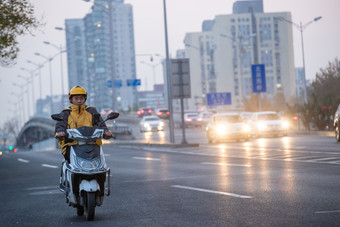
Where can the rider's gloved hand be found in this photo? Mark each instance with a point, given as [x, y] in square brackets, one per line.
[107, 134]
[60, 134]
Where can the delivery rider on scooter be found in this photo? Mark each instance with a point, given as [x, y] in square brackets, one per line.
[77, 115]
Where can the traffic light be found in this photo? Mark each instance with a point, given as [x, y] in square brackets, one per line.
[10, 148]
[15, 150]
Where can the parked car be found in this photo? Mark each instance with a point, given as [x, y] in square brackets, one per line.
[227, 126]
[268, 123]
[151, 123]
[144, 112]
[205, 118]
[163, 113]
[192, 120]
[336, 124]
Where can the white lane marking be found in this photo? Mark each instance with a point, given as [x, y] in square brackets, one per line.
[145, 158]
[42, 188]
[106, 155]
[225, 164]
[327, 212]
[323, 159]
[23, 160]
[50, 192]
[215, 192]
[49, 166]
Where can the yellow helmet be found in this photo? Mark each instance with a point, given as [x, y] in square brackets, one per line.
[77, 90]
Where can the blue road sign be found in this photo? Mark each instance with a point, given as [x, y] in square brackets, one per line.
[137, 82]
[219, 99]
[259, 78]
[109, 83]
[117, 83]
[133, 82]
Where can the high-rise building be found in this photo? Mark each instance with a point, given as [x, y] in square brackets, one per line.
[248, 6]
[221, 59]
[109, 53]
[76, 53]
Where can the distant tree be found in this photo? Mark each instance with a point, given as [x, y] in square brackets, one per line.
[16, 18]
[10, 128]
[323, 97]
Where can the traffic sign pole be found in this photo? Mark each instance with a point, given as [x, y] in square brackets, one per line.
[184, 141]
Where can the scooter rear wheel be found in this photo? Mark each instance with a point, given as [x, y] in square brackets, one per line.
[80, 210]
[90, 205]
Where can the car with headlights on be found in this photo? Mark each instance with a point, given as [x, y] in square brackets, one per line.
[151, 123]
[268, 123]
[227, 126]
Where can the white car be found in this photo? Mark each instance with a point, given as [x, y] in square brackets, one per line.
[151, 123]
[268, 123]
[226, 126]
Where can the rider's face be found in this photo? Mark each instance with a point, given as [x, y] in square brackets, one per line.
[78, 100]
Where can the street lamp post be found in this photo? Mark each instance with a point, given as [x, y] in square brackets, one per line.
[153, 66]
[39, 66]
[61, 68]
[22, 93]
[32, 78]
[49, 59]
[301, 27]
[168, 76]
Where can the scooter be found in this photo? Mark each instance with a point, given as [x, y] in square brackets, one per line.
[85, 175]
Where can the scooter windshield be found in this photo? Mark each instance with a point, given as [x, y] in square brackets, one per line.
[87, 151]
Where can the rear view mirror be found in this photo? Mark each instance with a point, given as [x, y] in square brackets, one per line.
[112, 115]
[57, 117]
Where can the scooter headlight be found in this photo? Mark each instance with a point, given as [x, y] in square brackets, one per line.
[88, 165]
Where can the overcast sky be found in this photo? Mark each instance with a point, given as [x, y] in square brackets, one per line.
[321, 38]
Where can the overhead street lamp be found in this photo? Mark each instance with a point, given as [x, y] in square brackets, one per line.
[61, 68]
[49, 59]
[301, 27]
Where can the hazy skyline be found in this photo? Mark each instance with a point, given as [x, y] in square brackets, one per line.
[320, 38]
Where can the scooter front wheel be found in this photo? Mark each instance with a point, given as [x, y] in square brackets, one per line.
[90, 205]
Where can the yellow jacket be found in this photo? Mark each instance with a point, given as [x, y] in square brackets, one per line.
[76, 117]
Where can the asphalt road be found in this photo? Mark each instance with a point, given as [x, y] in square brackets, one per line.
[289, 181]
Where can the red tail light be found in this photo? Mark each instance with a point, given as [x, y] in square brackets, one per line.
[103, 112]
[149, 111]
[110, 111]
[168, 113]
[188, 119]
[159, 113]
[142, 111]
[138, 112]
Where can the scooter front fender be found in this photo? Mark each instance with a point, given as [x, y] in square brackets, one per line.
[89, 186]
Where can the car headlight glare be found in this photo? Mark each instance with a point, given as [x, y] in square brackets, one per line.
[285, 124]
[221, 129]
[146, 125]
[246, 128]
[261, 125]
